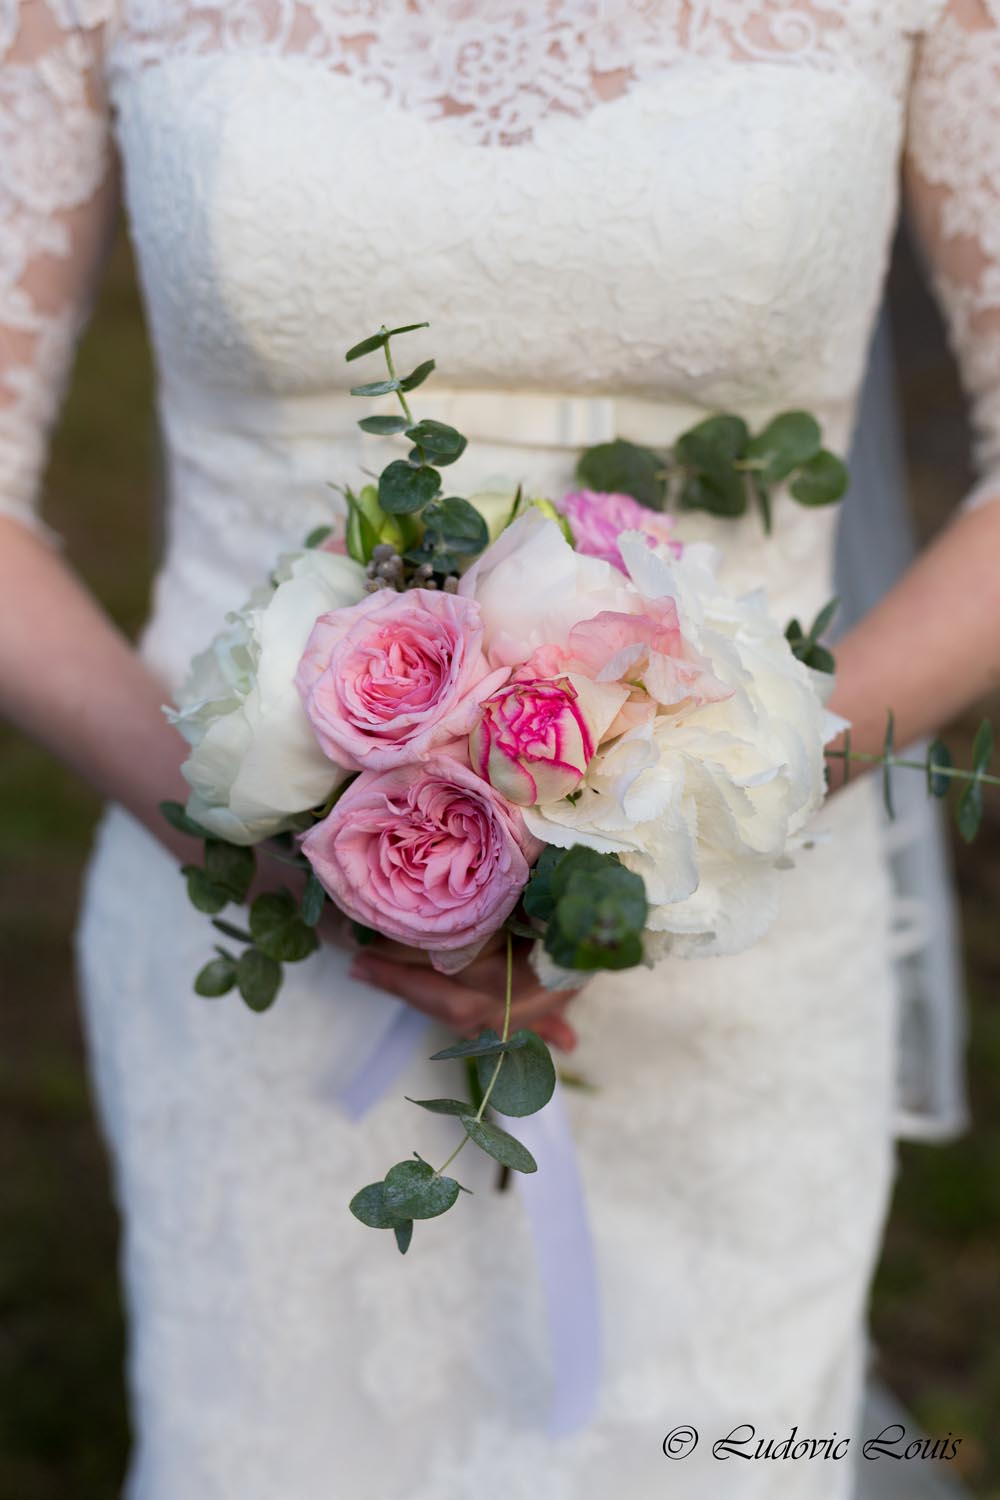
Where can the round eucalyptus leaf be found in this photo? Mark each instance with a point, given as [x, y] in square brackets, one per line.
[203, 893]
[486, 1044]
[443, 1106]
[258, 978]
[416, 377]
[384, 426]
[500, 1144]
[938, 754]
[788, 440]
[823, 480]
[440, 442]
[624, 468]
[404, 487]
[216, 978]
[375, 388]
[370, 1207]
[313, 901]
[526, 1080]
[278, 930]
[413, 1190]
[404, 1234]
[230, 866]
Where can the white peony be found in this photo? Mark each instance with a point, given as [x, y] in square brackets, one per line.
[255, 761]
[705, 799]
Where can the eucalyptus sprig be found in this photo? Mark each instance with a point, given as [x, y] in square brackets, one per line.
[406, 510]
[514, 1075]
[721, 467]
[282, 929]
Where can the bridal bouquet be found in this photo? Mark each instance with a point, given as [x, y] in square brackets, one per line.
[455, 718]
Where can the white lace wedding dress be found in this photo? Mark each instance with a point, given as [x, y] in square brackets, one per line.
[616, 217]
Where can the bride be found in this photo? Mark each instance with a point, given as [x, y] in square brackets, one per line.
[616, 217]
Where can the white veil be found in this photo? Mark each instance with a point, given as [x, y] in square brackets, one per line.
[874, 545]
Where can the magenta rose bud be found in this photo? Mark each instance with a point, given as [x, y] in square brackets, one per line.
[387, 680]
[533, 741]
[598, 517]
[428, 854]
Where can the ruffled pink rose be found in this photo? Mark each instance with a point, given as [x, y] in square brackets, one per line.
[387, 680]
[597, 518]
[536, 737]
[428, 854]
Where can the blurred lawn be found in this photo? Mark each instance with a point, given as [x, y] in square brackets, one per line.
[63, 1429]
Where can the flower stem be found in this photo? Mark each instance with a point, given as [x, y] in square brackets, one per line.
[958, 772]
[499, 1062]
[392, 375]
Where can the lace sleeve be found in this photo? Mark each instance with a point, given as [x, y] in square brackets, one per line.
[56, 204]
[953, 187]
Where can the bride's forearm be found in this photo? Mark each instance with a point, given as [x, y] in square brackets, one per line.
[71, 680]
[931, 647]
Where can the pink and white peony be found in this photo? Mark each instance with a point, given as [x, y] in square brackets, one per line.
[704, 801]
[598, 517]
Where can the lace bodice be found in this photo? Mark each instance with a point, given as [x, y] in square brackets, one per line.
[738, 263]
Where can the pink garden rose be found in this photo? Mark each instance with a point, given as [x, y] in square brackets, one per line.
[387, 680]
[428, 854]
[597, 517]
[537, 736]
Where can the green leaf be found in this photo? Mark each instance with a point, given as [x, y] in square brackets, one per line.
[366, 346]
[820, 659]
[416, 377]
[525, 1083]
[824, 619]
[361, 537]
[404, 1234]
[318, 535]
[404, 487]
[384, 426]
[230, 866]
[178, 818]
[443, 444]
[370, 1207]
[258, 977]
[698, 494]
[499, 1144]
[486, 1044]
[624, 468]
[239, 933]
[887, 750]
[982, 747]
[938, 754]
[278, 930]
[313, 901]
[443, 1106]
[453, 526]
[969, 813]
[406, 328]
[203, 893]
[216, 978]
[375, 388]
[709, 450]
[788, 441]
[538, 898]
[413, 1190]
[821, 481]
[599, 913]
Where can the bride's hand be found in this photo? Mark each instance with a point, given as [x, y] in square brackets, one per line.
[474, 998]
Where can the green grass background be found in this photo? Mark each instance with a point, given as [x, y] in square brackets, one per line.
[63, 1425]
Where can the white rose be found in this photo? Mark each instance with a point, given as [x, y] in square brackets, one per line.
[255, 761]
